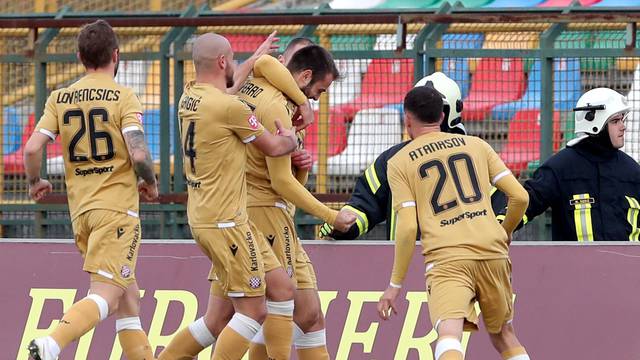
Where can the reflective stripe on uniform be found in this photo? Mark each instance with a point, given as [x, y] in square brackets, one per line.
[372, 178]
[361, 219]
[582, 218]
[632, 218]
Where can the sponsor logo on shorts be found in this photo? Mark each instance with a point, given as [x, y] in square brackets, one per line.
[271, 238]
[287, 245]
[234, 249]
[255, 282]
[125, 272]
[134, 243]
[253, 255]
[94, 170]
[120, 232]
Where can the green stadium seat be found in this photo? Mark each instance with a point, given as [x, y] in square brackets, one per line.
[406, 4]
[352, 42]
[603, 40]
[466, 3]
[285, 39]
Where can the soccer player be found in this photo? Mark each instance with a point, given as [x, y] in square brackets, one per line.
[272, 185]
[215, 128]
[371, 200]
[442, 181]
[99, 123]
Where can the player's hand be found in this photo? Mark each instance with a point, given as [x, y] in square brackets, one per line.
[39, 189]
[325, 231]
[149, 192]
[387, 303]
[344, 220]
[268, 46]
[302, 159]
[304, 116]
[290, 133]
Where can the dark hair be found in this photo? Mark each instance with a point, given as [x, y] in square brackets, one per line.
[316, 59]
[298, 41]
[425, 103]
[96, 42]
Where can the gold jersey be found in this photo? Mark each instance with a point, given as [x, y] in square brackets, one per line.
[90, 116]
[448, 178]
[269, 105]
[215, 128]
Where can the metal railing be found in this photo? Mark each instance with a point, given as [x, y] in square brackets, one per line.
[520, 72]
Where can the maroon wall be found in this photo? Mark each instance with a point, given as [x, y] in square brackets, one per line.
[572, 302]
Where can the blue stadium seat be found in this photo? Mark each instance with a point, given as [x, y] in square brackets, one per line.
[458, 68]
[513, 3]
[622, 3]
[567, 89]
[12, 128]
[151, 124]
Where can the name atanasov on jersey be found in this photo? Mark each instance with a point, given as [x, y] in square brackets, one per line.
[435, 146]
[81, 95]
[94, 170]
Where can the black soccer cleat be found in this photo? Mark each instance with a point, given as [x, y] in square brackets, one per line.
[34, 350]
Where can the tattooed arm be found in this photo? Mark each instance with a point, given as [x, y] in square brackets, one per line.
[142, 163]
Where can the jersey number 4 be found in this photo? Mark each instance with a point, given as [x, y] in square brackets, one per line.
[189, 150]
[95, 114]
[440, 206]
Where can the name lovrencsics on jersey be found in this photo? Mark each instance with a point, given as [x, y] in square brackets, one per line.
[94, 171]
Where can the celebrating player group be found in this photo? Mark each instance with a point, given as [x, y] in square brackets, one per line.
[245, 167]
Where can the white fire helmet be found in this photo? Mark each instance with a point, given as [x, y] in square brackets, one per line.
[594, 109]
[451, 96]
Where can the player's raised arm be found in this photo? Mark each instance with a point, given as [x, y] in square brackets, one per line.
[243, 70]
[46, 131]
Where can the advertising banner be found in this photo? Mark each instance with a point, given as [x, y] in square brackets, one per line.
[572, 302]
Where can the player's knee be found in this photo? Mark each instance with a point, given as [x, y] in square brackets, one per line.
[307, 317]
[129, 303]
[216, 321]
[505, 339]
[279, 286]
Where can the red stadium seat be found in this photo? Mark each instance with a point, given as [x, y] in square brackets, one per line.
[245, 43]
[523, 142]
[14, 163]
[385, 82]
[495, 81]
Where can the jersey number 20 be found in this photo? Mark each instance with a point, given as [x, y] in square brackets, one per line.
[439, 206]
[94, 115]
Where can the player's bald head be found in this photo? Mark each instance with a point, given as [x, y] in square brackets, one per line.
[207, 49]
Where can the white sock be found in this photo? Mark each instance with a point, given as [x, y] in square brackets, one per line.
[52, 348]
[520, 357]
[259, 338]
[447, 344]
[244, 325]
[311, 340]
[201, 333]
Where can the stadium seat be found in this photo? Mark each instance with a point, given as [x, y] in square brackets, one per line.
[603, 40]
[466, 3]
[14, 162]
[495, 82]
[285, 39]
[151, 124]
[513, 3]
[567, 89]
[614, 3]
[385, 82]
[632, 136]
[458, 68]
[351, 70]
[523, 140]
[372, 132]
[405, 4]
[11, 130]
[510, 40]
[245, 43]
[563, 3]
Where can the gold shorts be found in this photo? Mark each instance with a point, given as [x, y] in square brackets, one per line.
[236, 258]
[109, 242]
[305, 273]
[268, 259]
[454, 287]
[280, 233]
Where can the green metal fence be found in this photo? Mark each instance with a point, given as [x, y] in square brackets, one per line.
[519, 79]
